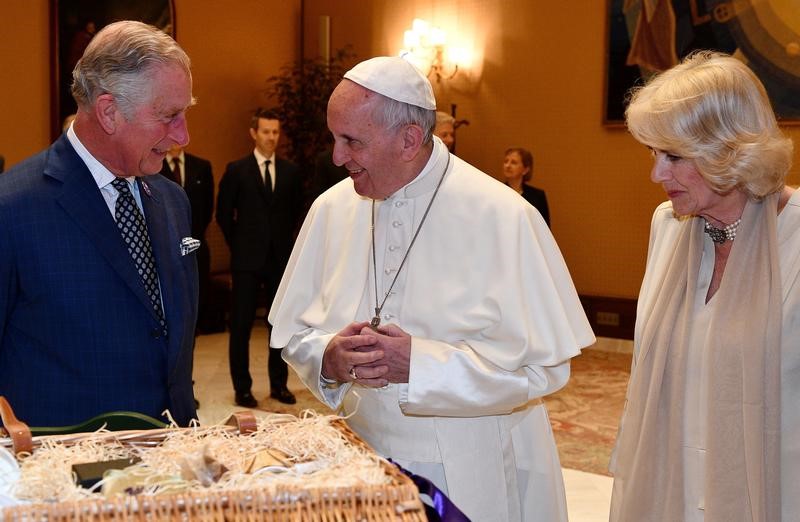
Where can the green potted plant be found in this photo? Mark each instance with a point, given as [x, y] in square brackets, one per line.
[301, 91]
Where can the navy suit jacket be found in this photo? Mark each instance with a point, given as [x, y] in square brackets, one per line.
[78, 336]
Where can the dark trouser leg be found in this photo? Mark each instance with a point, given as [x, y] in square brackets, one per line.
[243, 310]
[276, 366]
[278, 370]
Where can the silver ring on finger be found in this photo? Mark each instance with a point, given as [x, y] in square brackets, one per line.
[353, 373]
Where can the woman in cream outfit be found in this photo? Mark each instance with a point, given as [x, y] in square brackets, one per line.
[711, 428]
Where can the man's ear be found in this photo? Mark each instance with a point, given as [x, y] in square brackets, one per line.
[413, 135]
[107, 113]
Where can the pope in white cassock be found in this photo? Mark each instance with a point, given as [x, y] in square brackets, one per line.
[431, 303]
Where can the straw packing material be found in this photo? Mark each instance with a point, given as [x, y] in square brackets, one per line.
[315, 455]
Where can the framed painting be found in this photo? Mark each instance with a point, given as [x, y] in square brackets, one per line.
[73, 25]
[648, 36]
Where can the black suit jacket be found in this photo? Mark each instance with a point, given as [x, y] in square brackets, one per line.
[259, 225]
[199, 187]
[537, 198]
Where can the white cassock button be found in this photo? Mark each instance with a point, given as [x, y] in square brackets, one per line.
[392, 248]
[396, 224]
[399, 204]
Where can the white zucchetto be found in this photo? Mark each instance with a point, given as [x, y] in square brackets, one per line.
[395, 78]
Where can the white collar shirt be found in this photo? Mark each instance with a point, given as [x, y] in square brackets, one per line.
[102, 176]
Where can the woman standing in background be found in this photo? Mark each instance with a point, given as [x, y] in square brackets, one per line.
[518, 170]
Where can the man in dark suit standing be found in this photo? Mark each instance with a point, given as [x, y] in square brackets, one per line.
[259, 204]
[98, 277]
[194, 175]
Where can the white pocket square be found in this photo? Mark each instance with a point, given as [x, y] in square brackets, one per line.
[189, 245]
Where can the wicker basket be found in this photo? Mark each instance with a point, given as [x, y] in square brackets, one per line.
[396, 500]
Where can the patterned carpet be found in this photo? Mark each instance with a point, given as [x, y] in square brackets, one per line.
[305, 401]
[585, 413]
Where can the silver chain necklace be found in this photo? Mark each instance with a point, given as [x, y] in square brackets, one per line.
[376, 320]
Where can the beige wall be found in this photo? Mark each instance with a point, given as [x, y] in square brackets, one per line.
[24, 79]
[540, 86]
[234, 47]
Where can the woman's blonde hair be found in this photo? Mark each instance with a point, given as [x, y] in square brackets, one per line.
[714, 111]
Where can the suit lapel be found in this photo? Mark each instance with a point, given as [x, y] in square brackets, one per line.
[177, 288]
[165, 170]
[161, 239]
[278, 177]
[188, 172]
[82, 201]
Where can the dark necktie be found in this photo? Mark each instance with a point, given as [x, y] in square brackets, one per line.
[176, 170]
[267, 177]
[133, 228]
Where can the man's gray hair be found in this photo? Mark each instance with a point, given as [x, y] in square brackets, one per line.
[442, 118]
[120, 60]
[394, 114]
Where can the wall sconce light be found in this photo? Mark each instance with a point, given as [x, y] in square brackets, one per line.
[426, 47]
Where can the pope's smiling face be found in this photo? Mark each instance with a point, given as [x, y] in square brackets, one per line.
[370, 152]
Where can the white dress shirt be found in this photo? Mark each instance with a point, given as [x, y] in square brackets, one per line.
[102, 176]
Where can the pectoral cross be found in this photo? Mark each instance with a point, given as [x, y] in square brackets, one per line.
[376, 321]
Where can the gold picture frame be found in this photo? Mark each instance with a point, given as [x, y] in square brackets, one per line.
[644, 37]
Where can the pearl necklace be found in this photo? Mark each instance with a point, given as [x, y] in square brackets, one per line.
[720, 235]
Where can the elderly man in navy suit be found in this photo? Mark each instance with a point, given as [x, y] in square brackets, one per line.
[98, 277]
